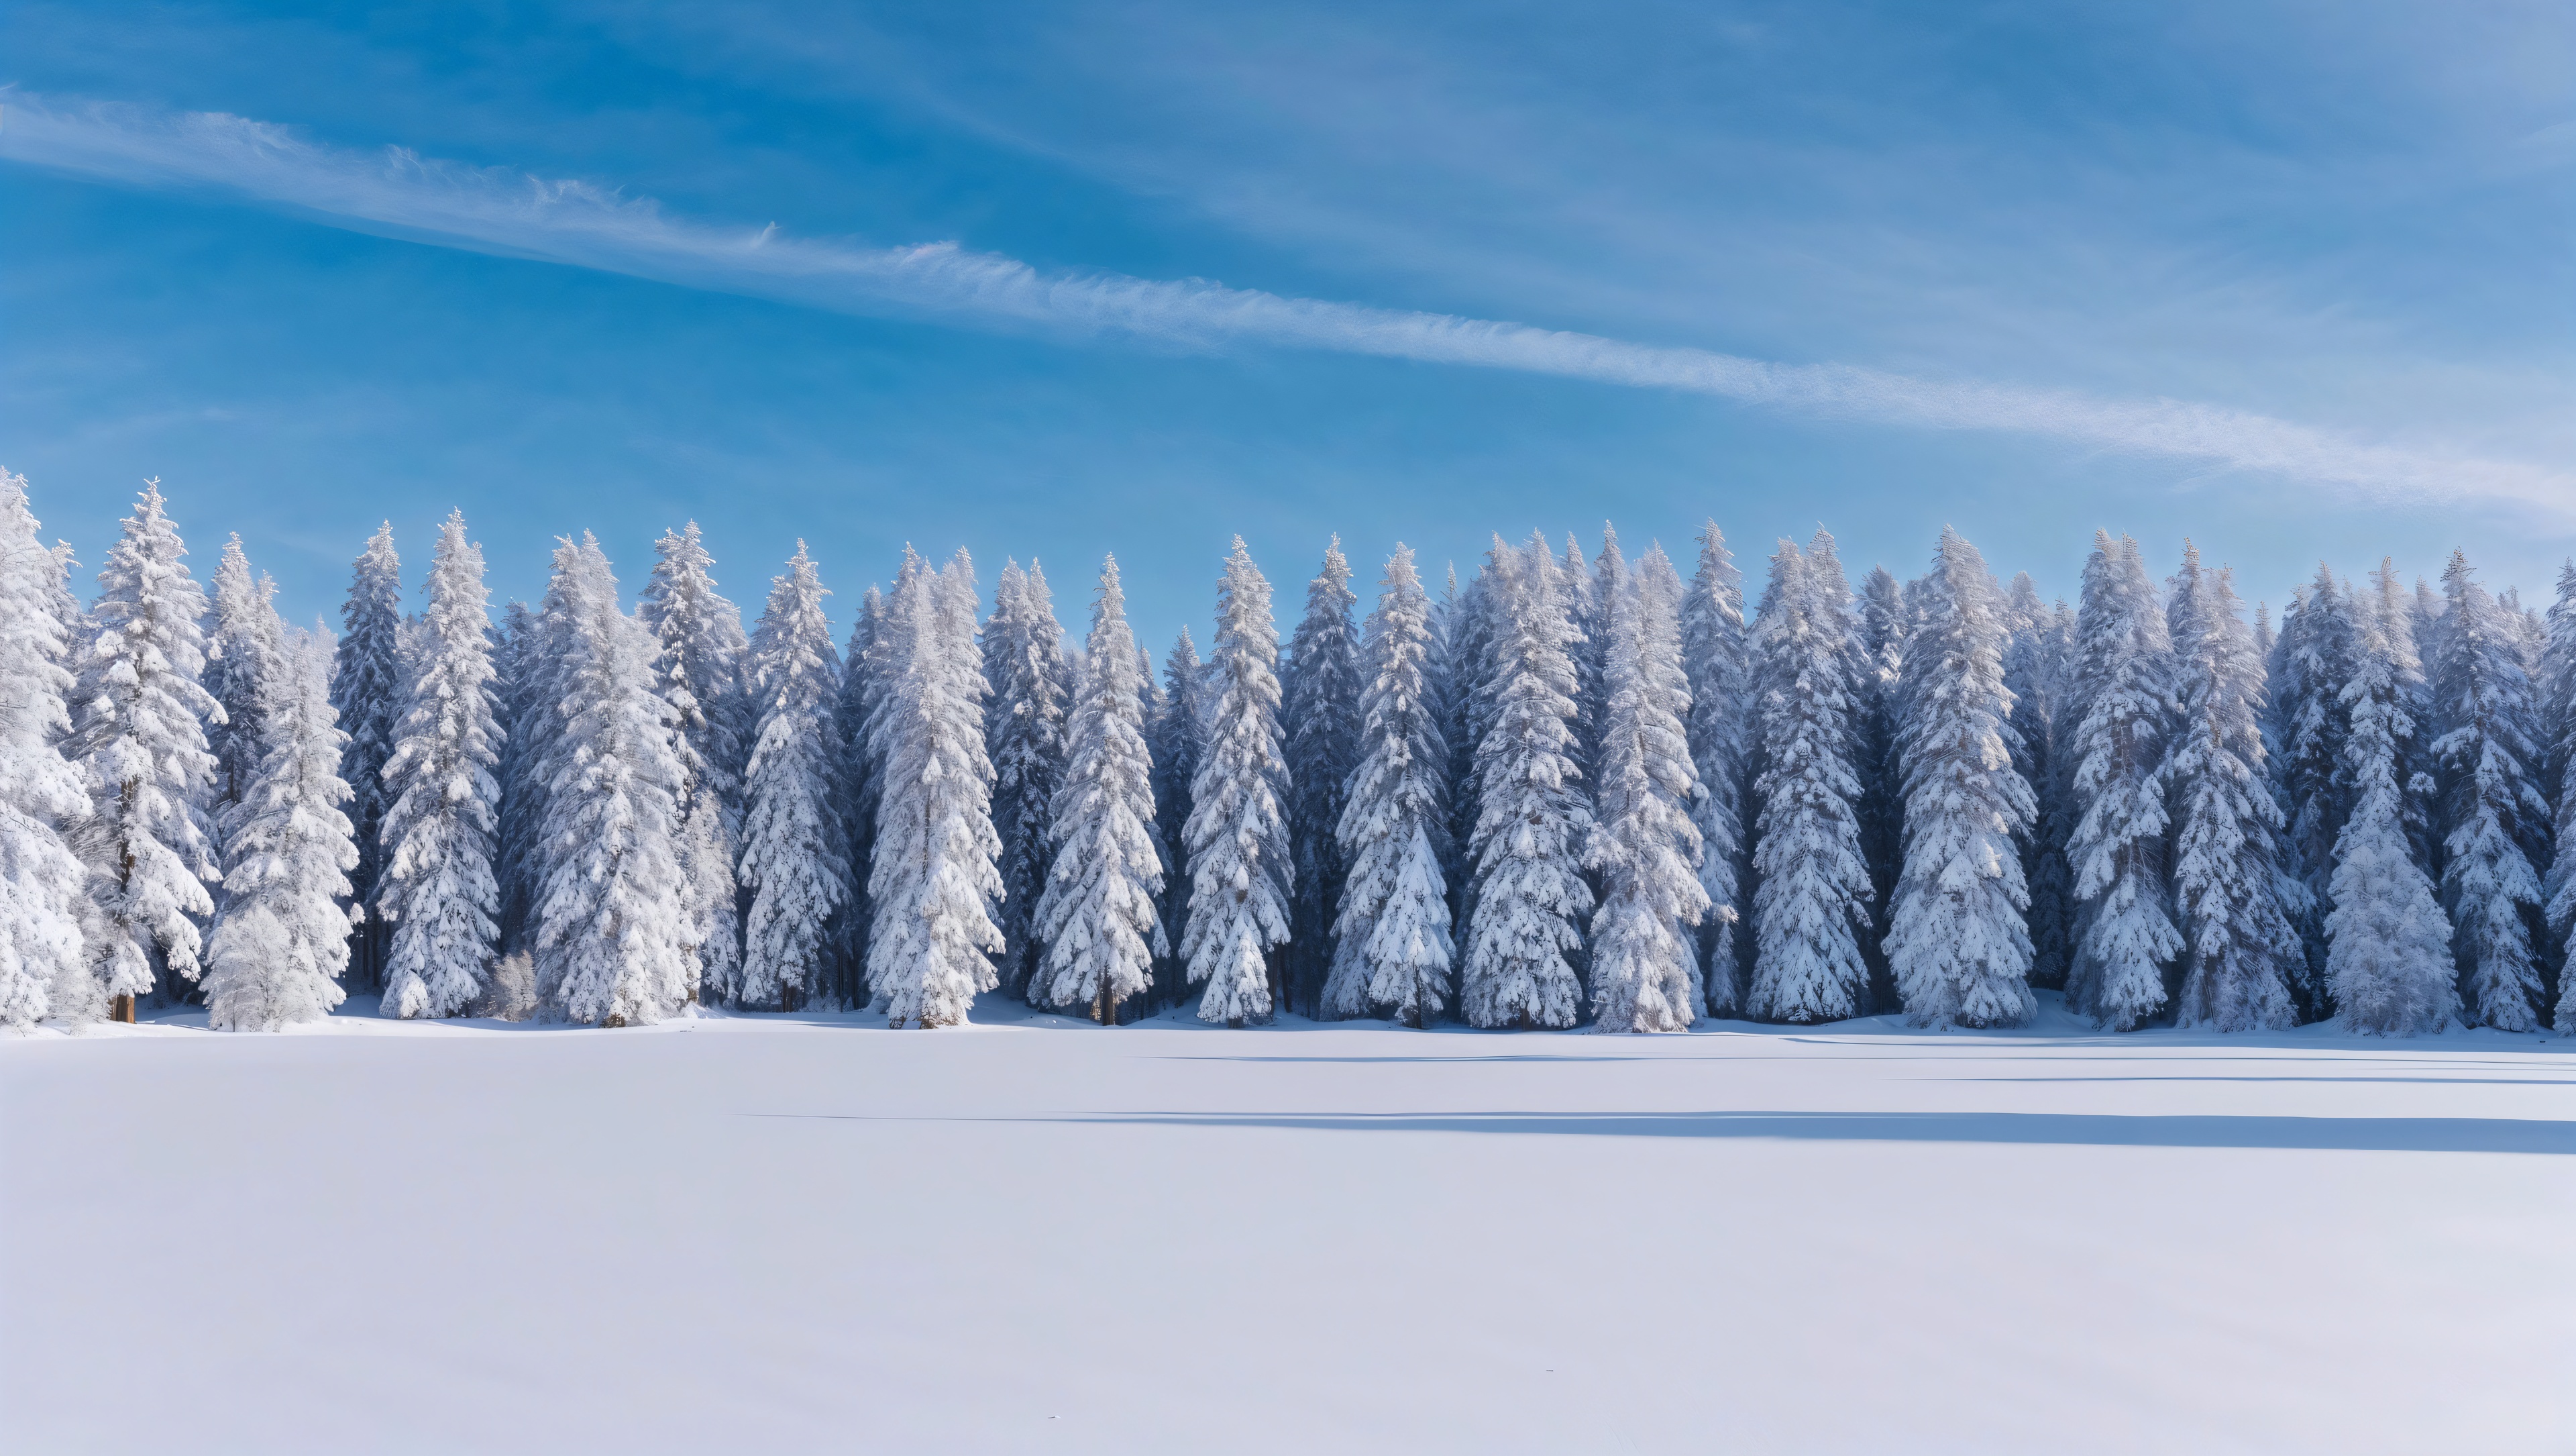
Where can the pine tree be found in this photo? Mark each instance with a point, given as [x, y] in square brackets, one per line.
[2034, 670]
[698, 664]
[1392, 953]
[793, 841]
[1240, 870]
[1643, 845]
[1957, 941]
[438, 889]
[2388, 962]
[2238, 945]
[2558, 719]
[1811, 902]
[139, 738]
[1099, 916]
[613, 930]
[275, 957]
[1532, 816]
[1587, 604]
[1178, 740]
[1467, 632]
[1884, 617]
[242, 653]
[2490, 807]
[1715, 655]
[2311, 726]
[367, 693]
[866, 672]
[43, 970]
[1322, 716]
[2125, 658]
[1025, 735]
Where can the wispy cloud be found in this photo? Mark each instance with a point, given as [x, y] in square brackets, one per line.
[507, 212]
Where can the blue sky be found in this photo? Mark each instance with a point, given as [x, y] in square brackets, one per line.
[2294, 280]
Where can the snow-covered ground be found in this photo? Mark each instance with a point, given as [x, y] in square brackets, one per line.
[771, 1234]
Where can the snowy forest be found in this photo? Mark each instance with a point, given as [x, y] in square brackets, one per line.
[1560, 790]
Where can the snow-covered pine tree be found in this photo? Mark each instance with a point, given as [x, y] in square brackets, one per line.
[1025, 735]
[1178, 739]
[1533, 814]
[275, 958]
[613, 928]
[2125, 934]
[1393, 952]
[867, 669]
[1321, 715]
[2490, 806]
[243, 647]
[2558, 724]
[1958, 944]
[2238, 945]
[1716, 657]
[1587, 602]
[2388, 963]
[1811, 898]
[2034, 666]
[698, 663]
[438, 889]
[1643, 845]
[931, 943]
[1884, 617]
[1240, 869]
[367, 693]
[43, 970]
[515, 657]
[1467, 629]
[2310, 726]
[1099, 916]
[793, 841]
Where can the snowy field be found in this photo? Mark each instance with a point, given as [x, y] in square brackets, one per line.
[768, 1234]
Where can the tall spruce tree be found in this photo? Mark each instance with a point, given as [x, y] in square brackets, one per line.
[1883, 616]
[1643, 845]
[793, 840]
[43, 971]
[2388, 963]
[1321, 713]
[517, 659]
[367, 692]
[244, 646]
[1025, 735]
[867, 673]
[2126, 933]
[2558, 722]
[1717, 659]
[1099, 916]
[2491, 809]
[698, 665]
[2310, 725]
[2034, 669]
[1240, 866]
[1178, 739]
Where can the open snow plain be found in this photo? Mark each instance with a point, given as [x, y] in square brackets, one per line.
[788, 1234]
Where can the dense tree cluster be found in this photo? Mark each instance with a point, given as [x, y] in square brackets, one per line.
[1566, 792]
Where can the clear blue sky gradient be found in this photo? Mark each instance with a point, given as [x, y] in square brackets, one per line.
[2355, 217]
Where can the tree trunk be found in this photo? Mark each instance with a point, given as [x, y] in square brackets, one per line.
[1100, 1007]
[121, 1008]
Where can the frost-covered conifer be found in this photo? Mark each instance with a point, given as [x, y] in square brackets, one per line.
[1884, 617]
[1643, 845]
[2490, 806]
[2388, 962]
[2310, 726]
[1957, 942]
[1321, 714]
[793, 841]
[931, 944]
[2124, 652]
[42, 967]
[1025, 734]
[367, 692]
[438, 889]
[1178, 738]
[2238, 945]
[1533, 814]
[613, 928]
[243, 649]
[2558, 723]
[1099, 916]
[522, 663]
[1811, 900]
[1240, 870]
[1717, 659]
[867, 669]
[1587, 602]
[1467, 631]
[275, 958]
[698, 662]
[1392, 957]
[2034, 670]
[139, 738]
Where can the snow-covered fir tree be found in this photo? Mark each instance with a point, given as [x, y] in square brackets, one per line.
[1467, 636]
[1321, 713]
[2238, 945]
[1717, 660]
[43, 970]
[2034, 670]
[2124, 655]
[1100, 913]
[438, 889]
[275, 958]
[866, 671]
[139, 738]
[1237, 835]
[698, 663]
[1025, 735]
[2310, 725]
[367, 693]
[2558, 724]
[793, 841]
[1643, 845]
[1587, 602]
[1393, 949]
[1177, 737]
[2491, 808]
[1518, 968]
[613, 927]
[1811, 895]
[2388, 961]
[243, 649]
[1884, 617]
[522, 663]
[1957, 942]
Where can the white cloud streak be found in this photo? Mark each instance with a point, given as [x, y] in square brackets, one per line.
[498, 210]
